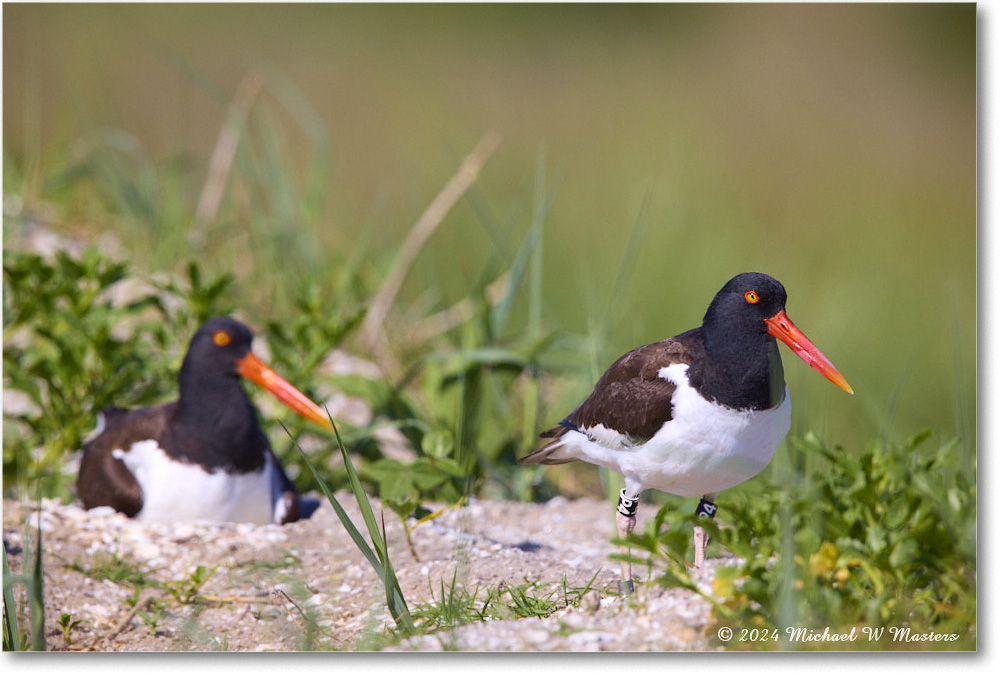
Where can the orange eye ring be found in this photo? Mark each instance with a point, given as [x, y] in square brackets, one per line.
[221, 338]
[751, 297]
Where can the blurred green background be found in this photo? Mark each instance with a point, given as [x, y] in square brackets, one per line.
[831, 146]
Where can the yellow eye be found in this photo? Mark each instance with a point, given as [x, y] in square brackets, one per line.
[221, 338]
[751, 296]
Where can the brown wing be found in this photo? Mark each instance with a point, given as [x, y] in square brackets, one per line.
[104, 480]
[630, 398]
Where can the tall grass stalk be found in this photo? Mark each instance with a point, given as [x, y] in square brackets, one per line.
[11, 631]
[379, 557]
[35, 584]
[372, 331]
[543, 202]
[612, 481]
[36, 591]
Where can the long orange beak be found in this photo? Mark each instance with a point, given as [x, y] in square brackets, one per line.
[259, 372]
[781, 327]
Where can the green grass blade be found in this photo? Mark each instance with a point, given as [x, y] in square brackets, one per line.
[394, 594]
[531, 390]
[359, 540]
[379, 557]
[529, 257]
[36, 591]
[11, 632]
[626, 267]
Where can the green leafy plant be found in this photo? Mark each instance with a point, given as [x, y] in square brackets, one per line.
[116, 569]
[188, 589]
[62, 353]
[67, 623]
[404, 487]
[298, 345]
[884, 539]
[482, 388]
[151, 614]
[200, 299]
[71, 349]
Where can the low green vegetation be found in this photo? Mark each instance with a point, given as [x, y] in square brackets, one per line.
[72, 348]
[119, 571]
[32, 579]
[67, 623]
[881, 542]
[452, 605]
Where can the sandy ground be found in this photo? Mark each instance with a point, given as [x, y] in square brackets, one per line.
[306, 585]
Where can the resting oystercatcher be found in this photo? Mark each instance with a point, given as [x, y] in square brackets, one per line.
[696, 413]
[202, 457]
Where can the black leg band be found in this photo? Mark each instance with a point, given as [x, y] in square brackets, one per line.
[706, 508]
[627, 506]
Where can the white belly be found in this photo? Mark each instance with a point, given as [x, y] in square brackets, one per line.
[704, 449]
[175, 490]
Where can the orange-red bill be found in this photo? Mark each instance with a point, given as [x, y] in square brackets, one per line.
[259, 372]
[781, 327]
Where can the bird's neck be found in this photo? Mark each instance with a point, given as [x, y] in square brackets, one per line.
[215, 415]
[743, 374]
[206, 395]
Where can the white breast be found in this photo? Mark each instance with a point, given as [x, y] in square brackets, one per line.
[704, 449]
[175, 490]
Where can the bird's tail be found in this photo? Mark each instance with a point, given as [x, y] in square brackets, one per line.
[550, 453]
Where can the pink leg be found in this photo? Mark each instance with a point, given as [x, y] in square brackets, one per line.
[625, 520]
[706, 507]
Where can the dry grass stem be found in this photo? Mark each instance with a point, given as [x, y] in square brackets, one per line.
[221, 163]
[372, 331]
[446, 319]
[138, 607]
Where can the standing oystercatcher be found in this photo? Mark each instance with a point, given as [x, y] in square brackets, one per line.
[202, 457]
[696, 413]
